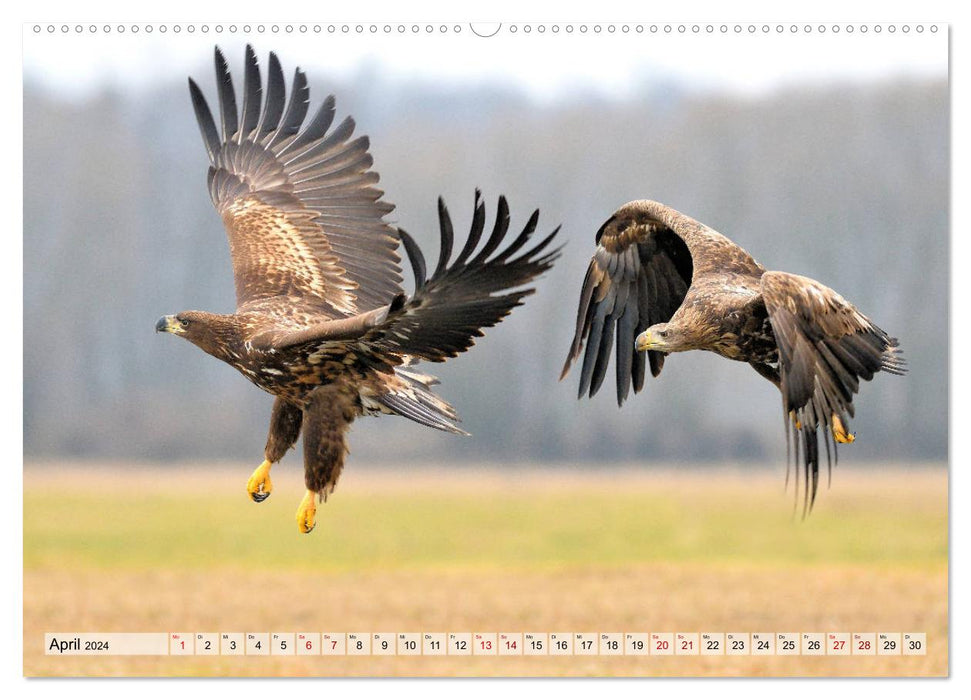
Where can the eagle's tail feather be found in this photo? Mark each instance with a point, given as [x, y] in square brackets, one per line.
[415, 400]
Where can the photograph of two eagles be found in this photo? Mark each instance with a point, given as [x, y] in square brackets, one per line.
[351, 288]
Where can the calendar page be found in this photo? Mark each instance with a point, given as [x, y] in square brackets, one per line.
[417, 243]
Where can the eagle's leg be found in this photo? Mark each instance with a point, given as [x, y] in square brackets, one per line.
[840, 433]
[284, 431]
[259, 485]
[326, 417]
[307, 512]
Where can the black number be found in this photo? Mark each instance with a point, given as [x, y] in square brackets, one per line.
[889, 645]
[762, 645]
[208, 645]
[461, 645]
[283, 645]
[712, 645]
[914, 645]
[232, 645]
[814, 645]
[788, 645]
[738, 645]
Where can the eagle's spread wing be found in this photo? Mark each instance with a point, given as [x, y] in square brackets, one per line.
[646, 258]
[449, 309]
[826, 347]
[635, 279]
[298, 202]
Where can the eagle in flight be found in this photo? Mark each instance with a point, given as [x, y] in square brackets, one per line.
[665, 283]
[321, 319]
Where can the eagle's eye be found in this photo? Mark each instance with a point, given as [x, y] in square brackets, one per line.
[662, 334]
[184, 322]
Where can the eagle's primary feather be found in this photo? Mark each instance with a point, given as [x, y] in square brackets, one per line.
[322, 321]
[662, 282]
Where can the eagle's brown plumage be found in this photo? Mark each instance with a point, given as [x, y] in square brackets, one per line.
[662, 282]
[321, 320]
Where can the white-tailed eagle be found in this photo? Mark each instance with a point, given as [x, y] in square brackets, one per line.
[661, 282]
[321, 319]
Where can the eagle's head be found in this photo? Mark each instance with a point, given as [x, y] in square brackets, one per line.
[213, 333]
[663, 337]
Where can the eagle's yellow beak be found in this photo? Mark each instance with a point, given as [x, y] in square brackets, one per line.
[644, 341]
[168, 324]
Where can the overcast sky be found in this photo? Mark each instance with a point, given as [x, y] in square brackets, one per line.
[545, 63]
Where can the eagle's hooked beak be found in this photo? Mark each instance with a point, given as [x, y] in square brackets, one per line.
[168, 324]
[644, 341]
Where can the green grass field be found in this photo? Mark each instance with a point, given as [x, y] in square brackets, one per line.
[137, 549]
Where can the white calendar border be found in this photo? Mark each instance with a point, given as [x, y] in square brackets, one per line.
[12, 651]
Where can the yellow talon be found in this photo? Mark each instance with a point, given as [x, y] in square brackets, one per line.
[839, 431]
[259, 485]
[307, 512]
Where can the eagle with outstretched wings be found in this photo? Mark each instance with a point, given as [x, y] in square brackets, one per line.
[322, 321]
[661, 282]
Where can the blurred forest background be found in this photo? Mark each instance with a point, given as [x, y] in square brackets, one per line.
[845, 182]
